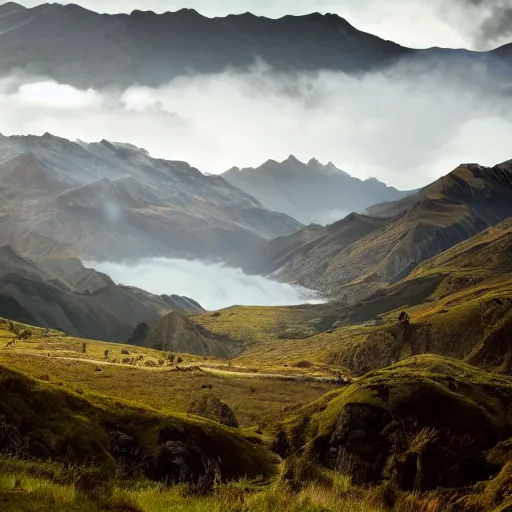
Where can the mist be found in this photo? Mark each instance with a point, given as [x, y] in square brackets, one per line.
[213, 285]
[405, 126]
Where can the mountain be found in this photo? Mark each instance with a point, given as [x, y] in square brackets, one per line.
[84, 48]
[113, 201]
[360, 253]
[311, 193]
[62, 294]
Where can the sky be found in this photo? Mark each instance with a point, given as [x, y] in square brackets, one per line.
[474, 24]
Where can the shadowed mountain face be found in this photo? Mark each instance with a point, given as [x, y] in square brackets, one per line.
[311, 193]
[83, 48]
[113, 201]
[61, 293]
[359, 254]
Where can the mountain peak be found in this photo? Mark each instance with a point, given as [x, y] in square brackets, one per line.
[293, 159]
[11, 7]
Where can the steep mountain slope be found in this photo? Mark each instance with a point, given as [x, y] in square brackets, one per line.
[63, 294]
[386, 249]
[312, 192]
[113, 201]
[86, 49]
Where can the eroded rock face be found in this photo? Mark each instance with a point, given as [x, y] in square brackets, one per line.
[421, 442]
[358, 442]
[127, 451]
[179, 462]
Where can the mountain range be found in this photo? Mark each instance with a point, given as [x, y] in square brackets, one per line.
[360, 253]
[87, 49]
[312, 193]
[106, 201]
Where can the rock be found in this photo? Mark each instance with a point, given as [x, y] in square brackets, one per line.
[358, 442]
[177, 462]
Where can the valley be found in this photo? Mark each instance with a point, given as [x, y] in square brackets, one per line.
[225, 335]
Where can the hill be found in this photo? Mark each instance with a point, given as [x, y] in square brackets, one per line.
[43, 422]
[426, 424]
[177, 333]
[385, 248]
[108, 201]
[312, 193]
[458, 304]
[150, 49]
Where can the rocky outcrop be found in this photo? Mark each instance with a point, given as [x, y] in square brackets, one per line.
[440, 431]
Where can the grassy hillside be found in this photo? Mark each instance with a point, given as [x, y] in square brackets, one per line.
[145, 376]
[44, 421]
[458, 303]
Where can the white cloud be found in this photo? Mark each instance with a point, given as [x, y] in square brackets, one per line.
[52, 95]
[406, 126]
[213, 285]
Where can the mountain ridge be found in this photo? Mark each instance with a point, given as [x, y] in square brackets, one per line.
[113, 200]
[390, 242]
[164, 46]
[312, 192]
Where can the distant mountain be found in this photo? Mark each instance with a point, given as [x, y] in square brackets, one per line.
[357, 255]
[107, 201]
[311, 193]
[84, 48]
[62, 294]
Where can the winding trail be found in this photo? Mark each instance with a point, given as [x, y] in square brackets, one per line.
[187, 367]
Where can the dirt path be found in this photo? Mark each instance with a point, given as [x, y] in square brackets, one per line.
[188, 366]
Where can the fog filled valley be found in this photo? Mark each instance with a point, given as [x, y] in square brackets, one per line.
[256, 264]
[214, 286]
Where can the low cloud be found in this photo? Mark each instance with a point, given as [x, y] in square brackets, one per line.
[213, 285]
[405, 126]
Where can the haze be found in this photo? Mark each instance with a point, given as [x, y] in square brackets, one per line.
[213, 285]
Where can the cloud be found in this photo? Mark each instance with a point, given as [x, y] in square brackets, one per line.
[405, 126]
[213, 285]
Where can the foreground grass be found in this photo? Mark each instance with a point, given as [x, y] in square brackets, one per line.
[32, 488]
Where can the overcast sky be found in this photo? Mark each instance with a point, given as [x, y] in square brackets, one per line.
[475, 24]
